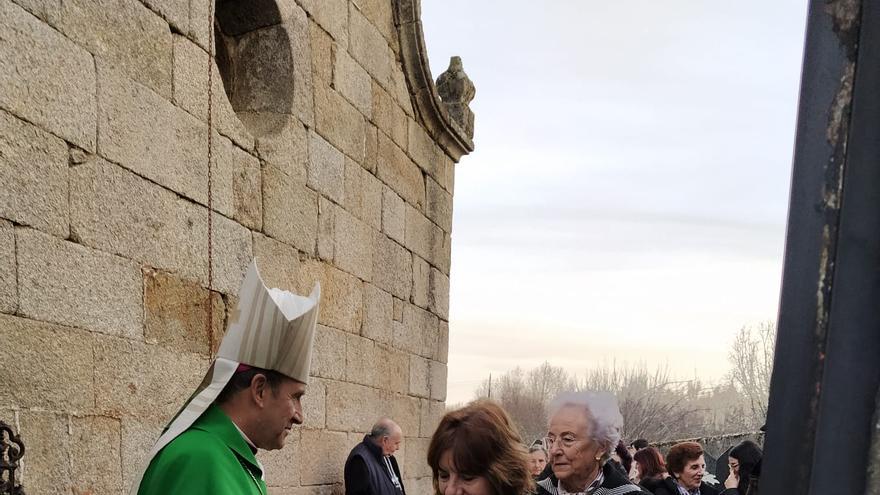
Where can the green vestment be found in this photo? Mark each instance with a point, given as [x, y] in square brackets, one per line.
[210, 457]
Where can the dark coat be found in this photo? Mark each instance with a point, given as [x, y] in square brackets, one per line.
[613, 479]
[668, 487]
[366, 474]
[651, 484]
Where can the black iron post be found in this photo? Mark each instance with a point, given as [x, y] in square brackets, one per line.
[827, 363]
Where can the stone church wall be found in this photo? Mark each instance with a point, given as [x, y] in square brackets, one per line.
[333, 160]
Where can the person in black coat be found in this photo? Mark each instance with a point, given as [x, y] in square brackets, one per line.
[744, 461]
[371, 468]
[686, 467]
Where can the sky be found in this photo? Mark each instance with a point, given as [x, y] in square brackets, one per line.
[627, 198]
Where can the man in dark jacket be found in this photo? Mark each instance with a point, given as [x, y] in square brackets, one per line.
[371, 468]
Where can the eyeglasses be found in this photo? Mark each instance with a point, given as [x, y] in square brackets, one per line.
[566, 441]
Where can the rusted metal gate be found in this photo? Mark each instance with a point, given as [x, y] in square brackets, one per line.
[822, 425]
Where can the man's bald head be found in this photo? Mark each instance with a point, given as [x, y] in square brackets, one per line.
[387, 435]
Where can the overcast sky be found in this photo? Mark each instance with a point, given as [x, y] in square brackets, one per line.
[627, 198]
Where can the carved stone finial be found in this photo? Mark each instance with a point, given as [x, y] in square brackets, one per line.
[11, 451]
[457, 91]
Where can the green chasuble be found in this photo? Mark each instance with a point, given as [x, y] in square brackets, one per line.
[211, 457]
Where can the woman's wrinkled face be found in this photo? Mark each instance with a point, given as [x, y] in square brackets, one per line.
[451, 482]
[572, 450]
[537, 461]
[692, 475]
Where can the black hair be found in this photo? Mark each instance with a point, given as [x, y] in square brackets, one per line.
[639, 444]
[749, 456]
[243, 379]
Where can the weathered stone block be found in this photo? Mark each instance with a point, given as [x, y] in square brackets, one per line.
[176, 313]
[388, 116]
[392, 370]
[361, 360]
[393, 215]
[315, 404]
[147, 381]
[416, 458]
[353, 241]
[322, 54]
[290, 210]
[405, 412]
[447, 178]
[438, 205]
[326, 171]
[340, 122]
[332, 15]
[432, 412]
[124, 33]
[442, 353]
[116, 211]
[33, 171]
[341, 416]
[419, 233]
[341, 295]
[281, 466]
[419, 381]
[190, 76]
[399, 172]
[138, 129]
[45, 78]
[421, 282]
[278, 262]
[419, 332]
[138, 438]
[233, 253]
[377, 314]
[326, 228]
[379, 12]
[47, 455]
[63, 282]
[363, 194]
[438, 302]
[95, 454]
[287, 149]
[8, 271]
[369, 47]
[174, 12]
[392, 266]
[324, 454]
[423, 150]
[45, 366]
[400, 89]
[328, 358]
[437, 372]
[247, 194]
[398, 309]
[353, 82]
[371, 150]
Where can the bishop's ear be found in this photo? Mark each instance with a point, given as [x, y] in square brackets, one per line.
[259, 388]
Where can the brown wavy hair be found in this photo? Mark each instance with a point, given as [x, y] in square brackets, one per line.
[680, 454]
[651, 462]
[483, 442]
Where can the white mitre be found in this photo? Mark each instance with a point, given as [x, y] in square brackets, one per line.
[271, 329]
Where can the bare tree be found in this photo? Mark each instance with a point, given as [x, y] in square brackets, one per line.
[751, 363]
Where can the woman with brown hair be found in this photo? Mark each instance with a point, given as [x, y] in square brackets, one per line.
[477, 451]
[650, 468]
[686, 466]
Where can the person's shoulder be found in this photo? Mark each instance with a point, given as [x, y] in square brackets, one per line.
[545, 486]
[707, 489]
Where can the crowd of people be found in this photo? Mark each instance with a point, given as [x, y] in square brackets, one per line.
[477, 451]
[251, 396]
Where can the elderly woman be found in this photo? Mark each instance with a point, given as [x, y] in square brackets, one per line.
[584, 429]
[477, 451]
[686, 467]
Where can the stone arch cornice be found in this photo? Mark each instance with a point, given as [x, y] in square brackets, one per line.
[429, 108]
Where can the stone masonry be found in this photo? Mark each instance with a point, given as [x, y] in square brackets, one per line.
[333, 160]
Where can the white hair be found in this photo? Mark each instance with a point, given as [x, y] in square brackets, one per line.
[601, 410]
